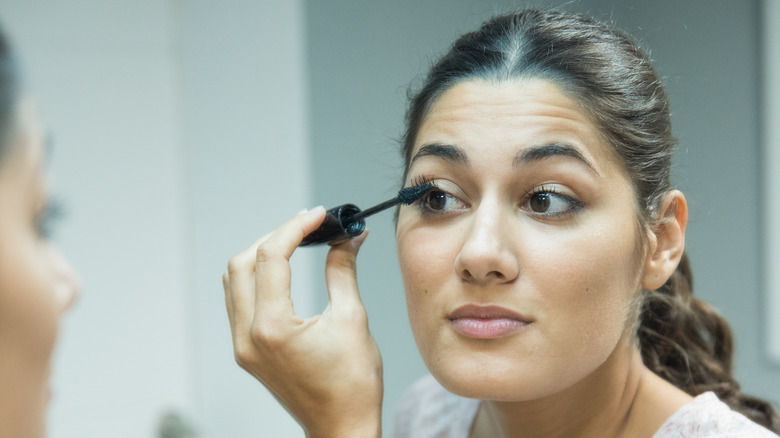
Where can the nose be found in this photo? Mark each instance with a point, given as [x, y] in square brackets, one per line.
[67, 283]
[488, 254]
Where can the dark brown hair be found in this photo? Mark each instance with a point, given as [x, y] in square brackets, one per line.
[9, 93]
[681, 338]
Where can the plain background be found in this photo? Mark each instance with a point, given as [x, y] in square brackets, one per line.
[183, 130]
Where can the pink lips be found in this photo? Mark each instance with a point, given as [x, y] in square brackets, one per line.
[486, 322]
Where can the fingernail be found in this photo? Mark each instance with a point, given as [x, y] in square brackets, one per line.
[302, 211]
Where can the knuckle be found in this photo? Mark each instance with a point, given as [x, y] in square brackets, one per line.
[263, 333]
[242, 354]
[357, 316]
[343, 261]
[234, 265]
[349, 263]
[265, 254]
[353, 315]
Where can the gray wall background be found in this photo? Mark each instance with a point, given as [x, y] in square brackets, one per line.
[363, 55]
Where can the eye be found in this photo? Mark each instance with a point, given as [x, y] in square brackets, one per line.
[46, 218]
[548, 201]
[439, 201]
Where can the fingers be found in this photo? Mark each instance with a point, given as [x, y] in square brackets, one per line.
[302, 361]
[257, 282]
[341, 275]
[272, 263]
[228, 299]
[241, 281]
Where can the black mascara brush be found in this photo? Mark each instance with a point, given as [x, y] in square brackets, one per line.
[347, 221]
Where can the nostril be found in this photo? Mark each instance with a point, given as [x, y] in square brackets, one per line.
[495, 274]
[485, 256]
[466, 275]
[474, 275]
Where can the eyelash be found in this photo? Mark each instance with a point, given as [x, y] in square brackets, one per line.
[421, 180]
[575, 205]
[423, 202]
[51, 212]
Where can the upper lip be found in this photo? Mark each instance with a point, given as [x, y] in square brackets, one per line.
[478, 311]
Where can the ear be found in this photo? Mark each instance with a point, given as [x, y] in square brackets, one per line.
[667, 241]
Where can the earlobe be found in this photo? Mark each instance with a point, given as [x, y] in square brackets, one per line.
[667, 241]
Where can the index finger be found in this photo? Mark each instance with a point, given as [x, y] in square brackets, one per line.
[272, 268]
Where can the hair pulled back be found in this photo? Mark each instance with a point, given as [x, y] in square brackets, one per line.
[681, 338]
[9, 93]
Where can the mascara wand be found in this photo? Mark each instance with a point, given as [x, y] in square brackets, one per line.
[347, 220]
[405, 196]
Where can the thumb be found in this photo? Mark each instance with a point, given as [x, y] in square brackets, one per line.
[341, 275]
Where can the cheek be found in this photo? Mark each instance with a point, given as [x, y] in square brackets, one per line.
[426, 263]
[28, 310]
[28, 327]
[587, 284]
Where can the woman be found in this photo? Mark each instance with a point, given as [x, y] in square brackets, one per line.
[546, 281]
[36, 284]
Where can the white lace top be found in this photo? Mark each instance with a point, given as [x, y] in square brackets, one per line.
[427, 410]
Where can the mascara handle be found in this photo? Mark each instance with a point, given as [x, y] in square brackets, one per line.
[336, 227]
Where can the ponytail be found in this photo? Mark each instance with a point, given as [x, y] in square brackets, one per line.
[685, 341]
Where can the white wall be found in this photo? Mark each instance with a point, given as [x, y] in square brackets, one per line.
[244, 119]
[176, 125]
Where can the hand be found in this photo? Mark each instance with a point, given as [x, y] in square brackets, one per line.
[325, 370]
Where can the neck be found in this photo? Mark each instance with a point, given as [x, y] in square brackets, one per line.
[621, 398]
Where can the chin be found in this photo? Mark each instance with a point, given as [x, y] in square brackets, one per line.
[489, 388]
[496, 380]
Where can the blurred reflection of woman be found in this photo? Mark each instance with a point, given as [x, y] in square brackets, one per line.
[36, 283]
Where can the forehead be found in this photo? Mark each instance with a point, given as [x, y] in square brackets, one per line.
[508, 116]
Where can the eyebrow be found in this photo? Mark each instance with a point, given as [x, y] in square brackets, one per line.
[448, 152]
[532, 154]
[539, 153]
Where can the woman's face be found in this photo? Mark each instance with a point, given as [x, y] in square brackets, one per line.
[36, 283]
[521, 270]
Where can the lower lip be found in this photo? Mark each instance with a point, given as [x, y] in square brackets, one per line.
[487, 328]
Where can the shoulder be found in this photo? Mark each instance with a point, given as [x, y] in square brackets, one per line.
[706, 416]
[429, 410]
